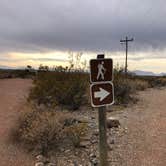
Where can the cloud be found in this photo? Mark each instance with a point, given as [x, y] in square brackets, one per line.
[96, 25]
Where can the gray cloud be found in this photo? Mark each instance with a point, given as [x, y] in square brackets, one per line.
[95, 25]
[32, 59]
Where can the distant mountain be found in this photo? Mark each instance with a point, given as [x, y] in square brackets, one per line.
[163, 74]
[11, 68]
[5, 67]
[147, 73]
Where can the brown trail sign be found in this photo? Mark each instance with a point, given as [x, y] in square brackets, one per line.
[101, 75]
[101, 70]
[102, 94]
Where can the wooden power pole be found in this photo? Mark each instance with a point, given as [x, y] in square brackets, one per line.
[126, 42]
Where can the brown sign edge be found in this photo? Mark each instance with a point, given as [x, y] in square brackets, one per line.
[96, 83]
[100, 60]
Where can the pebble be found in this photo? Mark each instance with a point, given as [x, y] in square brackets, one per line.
[92, 155]
[40, 158]
[39, 164]
[67, 151]
[112, 122]
[94, 162]
[112, 141]
[51, 164]
[93, 141]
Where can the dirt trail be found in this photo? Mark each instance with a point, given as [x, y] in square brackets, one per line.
[144, 144]
[12, 96]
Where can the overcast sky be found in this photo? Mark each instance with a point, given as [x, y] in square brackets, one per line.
[41, 26]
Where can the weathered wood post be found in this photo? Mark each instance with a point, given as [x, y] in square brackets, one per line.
[102, 94]
[102, 132]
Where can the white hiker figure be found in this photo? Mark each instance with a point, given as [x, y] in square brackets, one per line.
[101, 70]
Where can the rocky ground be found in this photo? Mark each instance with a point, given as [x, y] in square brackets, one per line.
[139, 140]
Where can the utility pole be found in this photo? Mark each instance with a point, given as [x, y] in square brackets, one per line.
[126, 42]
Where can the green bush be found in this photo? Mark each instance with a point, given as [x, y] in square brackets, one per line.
[66, 89]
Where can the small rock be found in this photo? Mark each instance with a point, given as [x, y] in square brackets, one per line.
[62, 150]
[76, 153]
[112, 141]
[84, 144]
[93, 141]
[91, 125]
[51, 164]
[112, 122]
[89, 164]
[92, 117]
[92, 155]
[96, 132]
[39, 164]
[94, 162]
[40, 158]
[86, 138]
[67, 151]
[110, 148]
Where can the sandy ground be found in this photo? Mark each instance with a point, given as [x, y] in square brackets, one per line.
[144, 143]
[12, 96]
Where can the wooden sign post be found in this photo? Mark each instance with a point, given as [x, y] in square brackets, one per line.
[101, 95]
[102, 132]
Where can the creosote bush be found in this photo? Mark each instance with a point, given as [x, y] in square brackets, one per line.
[127, 85]
[44, 130]
[63, 88]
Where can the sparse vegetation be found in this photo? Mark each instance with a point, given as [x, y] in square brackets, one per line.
[153, 81]
[61, 87]
[43, 130]
[126, 86]
[17, 73]
[76, 132]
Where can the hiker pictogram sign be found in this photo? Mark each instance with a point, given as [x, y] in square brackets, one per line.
[101, 70]
[102, 94]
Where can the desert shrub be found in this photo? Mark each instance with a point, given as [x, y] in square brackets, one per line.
[140, 84]
[127, 85]
[123, 90]
[76, 132]
[122, 86]
[153, 81]
[158, 82]
[66, 89]
[44, 130]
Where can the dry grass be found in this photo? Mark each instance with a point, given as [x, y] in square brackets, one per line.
[42, 131]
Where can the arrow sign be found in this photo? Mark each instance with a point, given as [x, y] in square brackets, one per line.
[102, 94]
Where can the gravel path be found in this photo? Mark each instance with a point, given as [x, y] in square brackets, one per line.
[12, 96]
[144, 143]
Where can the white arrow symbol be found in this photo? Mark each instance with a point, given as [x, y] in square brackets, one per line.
[102, 94]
